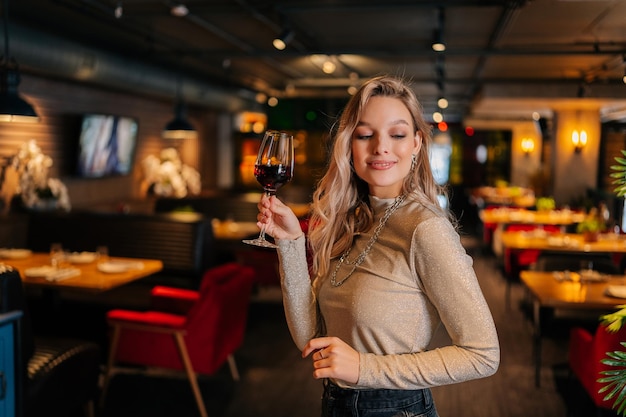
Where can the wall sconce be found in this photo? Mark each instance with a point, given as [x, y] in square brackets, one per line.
[528, 145]
[579, 140]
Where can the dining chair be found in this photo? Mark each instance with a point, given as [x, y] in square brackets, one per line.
[515, 261]
[567, 262]
[55, 376]
[489, 228]
[586, 351]
[185, 330]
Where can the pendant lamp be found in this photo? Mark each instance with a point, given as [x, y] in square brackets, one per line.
[179, 127]
[13, 108]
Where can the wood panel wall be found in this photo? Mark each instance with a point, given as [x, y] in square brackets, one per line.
[60, 105]
[614, 143]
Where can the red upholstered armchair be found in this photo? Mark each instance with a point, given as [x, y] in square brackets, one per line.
[586, 351]
[194, 331]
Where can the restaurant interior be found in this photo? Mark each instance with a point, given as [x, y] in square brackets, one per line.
[527, 101]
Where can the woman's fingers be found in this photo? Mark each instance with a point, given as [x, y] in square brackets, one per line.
[333, 358]
[315, 345]
[278, 219]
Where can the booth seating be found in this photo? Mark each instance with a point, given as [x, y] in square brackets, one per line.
[240, 207]
[183, 241]
[602, 263]
[55, 377]
[194, 331]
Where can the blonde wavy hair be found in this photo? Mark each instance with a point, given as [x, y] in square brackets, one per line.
[340, 202]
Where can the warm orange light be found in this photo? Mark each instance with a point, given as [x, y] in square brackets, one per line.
[442, 126]
[251, 122]
[528, 145]
[579, 140]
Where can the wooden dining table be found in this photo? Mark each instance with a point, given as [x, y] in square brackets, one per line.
[563, 242]
[89, 275]
[506, 215]
[567, 291]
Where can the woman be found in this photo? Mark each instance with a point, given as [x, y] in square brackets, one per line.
[388, 268]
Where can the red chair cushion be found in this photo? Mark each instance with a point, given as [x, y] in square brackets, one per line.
[152, 318]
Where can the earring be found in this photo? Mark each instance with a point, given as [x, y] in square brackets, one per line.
[413, 161]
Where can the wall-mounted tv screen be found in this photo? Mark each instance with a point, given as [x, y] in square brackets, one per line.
[106, 145]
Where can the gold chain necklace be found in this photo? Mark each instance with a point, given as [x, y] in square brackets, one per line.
[359, 260]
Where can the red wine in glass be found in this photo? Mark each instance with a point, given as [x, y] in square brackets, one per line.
[272, 177]
[273, 169]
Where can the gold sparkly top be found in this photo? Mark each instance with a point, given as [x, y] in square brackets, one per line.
[415, 277]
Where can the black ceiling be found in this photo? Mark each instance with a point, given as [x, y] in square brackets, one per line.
[504, 59]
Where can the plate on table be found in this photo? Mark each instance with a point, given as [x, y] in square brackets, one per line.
[15, 253]
[51, 273]
[39, 271]
[556, 241]
[618, 291]
[115, 267]
[591, 275]
[81, 257]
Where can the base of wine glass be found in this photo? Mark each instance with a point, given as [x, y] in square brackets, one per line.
[260, 242]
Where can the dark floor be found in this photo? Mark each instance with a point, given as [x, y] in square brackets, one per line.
[277, 382]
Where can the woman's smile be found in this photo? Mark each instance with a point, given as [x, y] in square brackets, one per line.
[381, 164]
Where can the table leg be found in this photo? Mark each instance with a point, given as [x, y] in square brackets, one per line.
[537, 341]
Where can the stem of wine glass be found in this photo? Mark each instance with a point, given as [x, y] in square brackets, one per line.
[268, 193]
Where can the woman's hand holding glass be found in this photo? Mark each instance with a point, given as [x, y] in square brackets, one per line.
[278, 219]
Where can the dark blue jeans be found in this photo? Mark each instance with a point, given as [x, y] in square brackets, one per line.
[339, 402]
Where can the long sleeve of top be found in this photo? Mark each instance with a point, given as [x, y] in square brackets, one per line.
[416, 276]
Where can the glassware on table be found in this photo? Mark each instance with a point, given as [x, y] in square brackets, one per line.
[102, 253]
[273, 169]
[56, 254]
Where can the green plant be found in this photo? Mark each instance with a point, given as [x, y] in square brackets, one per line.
[545, 203]
[619, 175]
[615, 379]
[591, 224]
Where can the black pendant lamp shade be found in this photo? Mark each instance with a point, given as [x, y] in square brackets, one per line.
[13, 108]
[179, 127]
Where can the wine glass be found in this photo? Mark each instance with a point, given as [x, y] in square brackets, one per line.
[56, 254]
[273, 169]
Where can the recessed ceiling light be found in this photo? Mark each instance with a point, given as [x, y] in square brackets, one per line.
[179, 10]
[119, 10]
[439, 47]
[328, 67]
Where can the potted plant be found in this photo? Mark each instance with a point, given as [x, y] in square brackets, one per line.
[591, 227]
[616, 379]
[619, 176]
